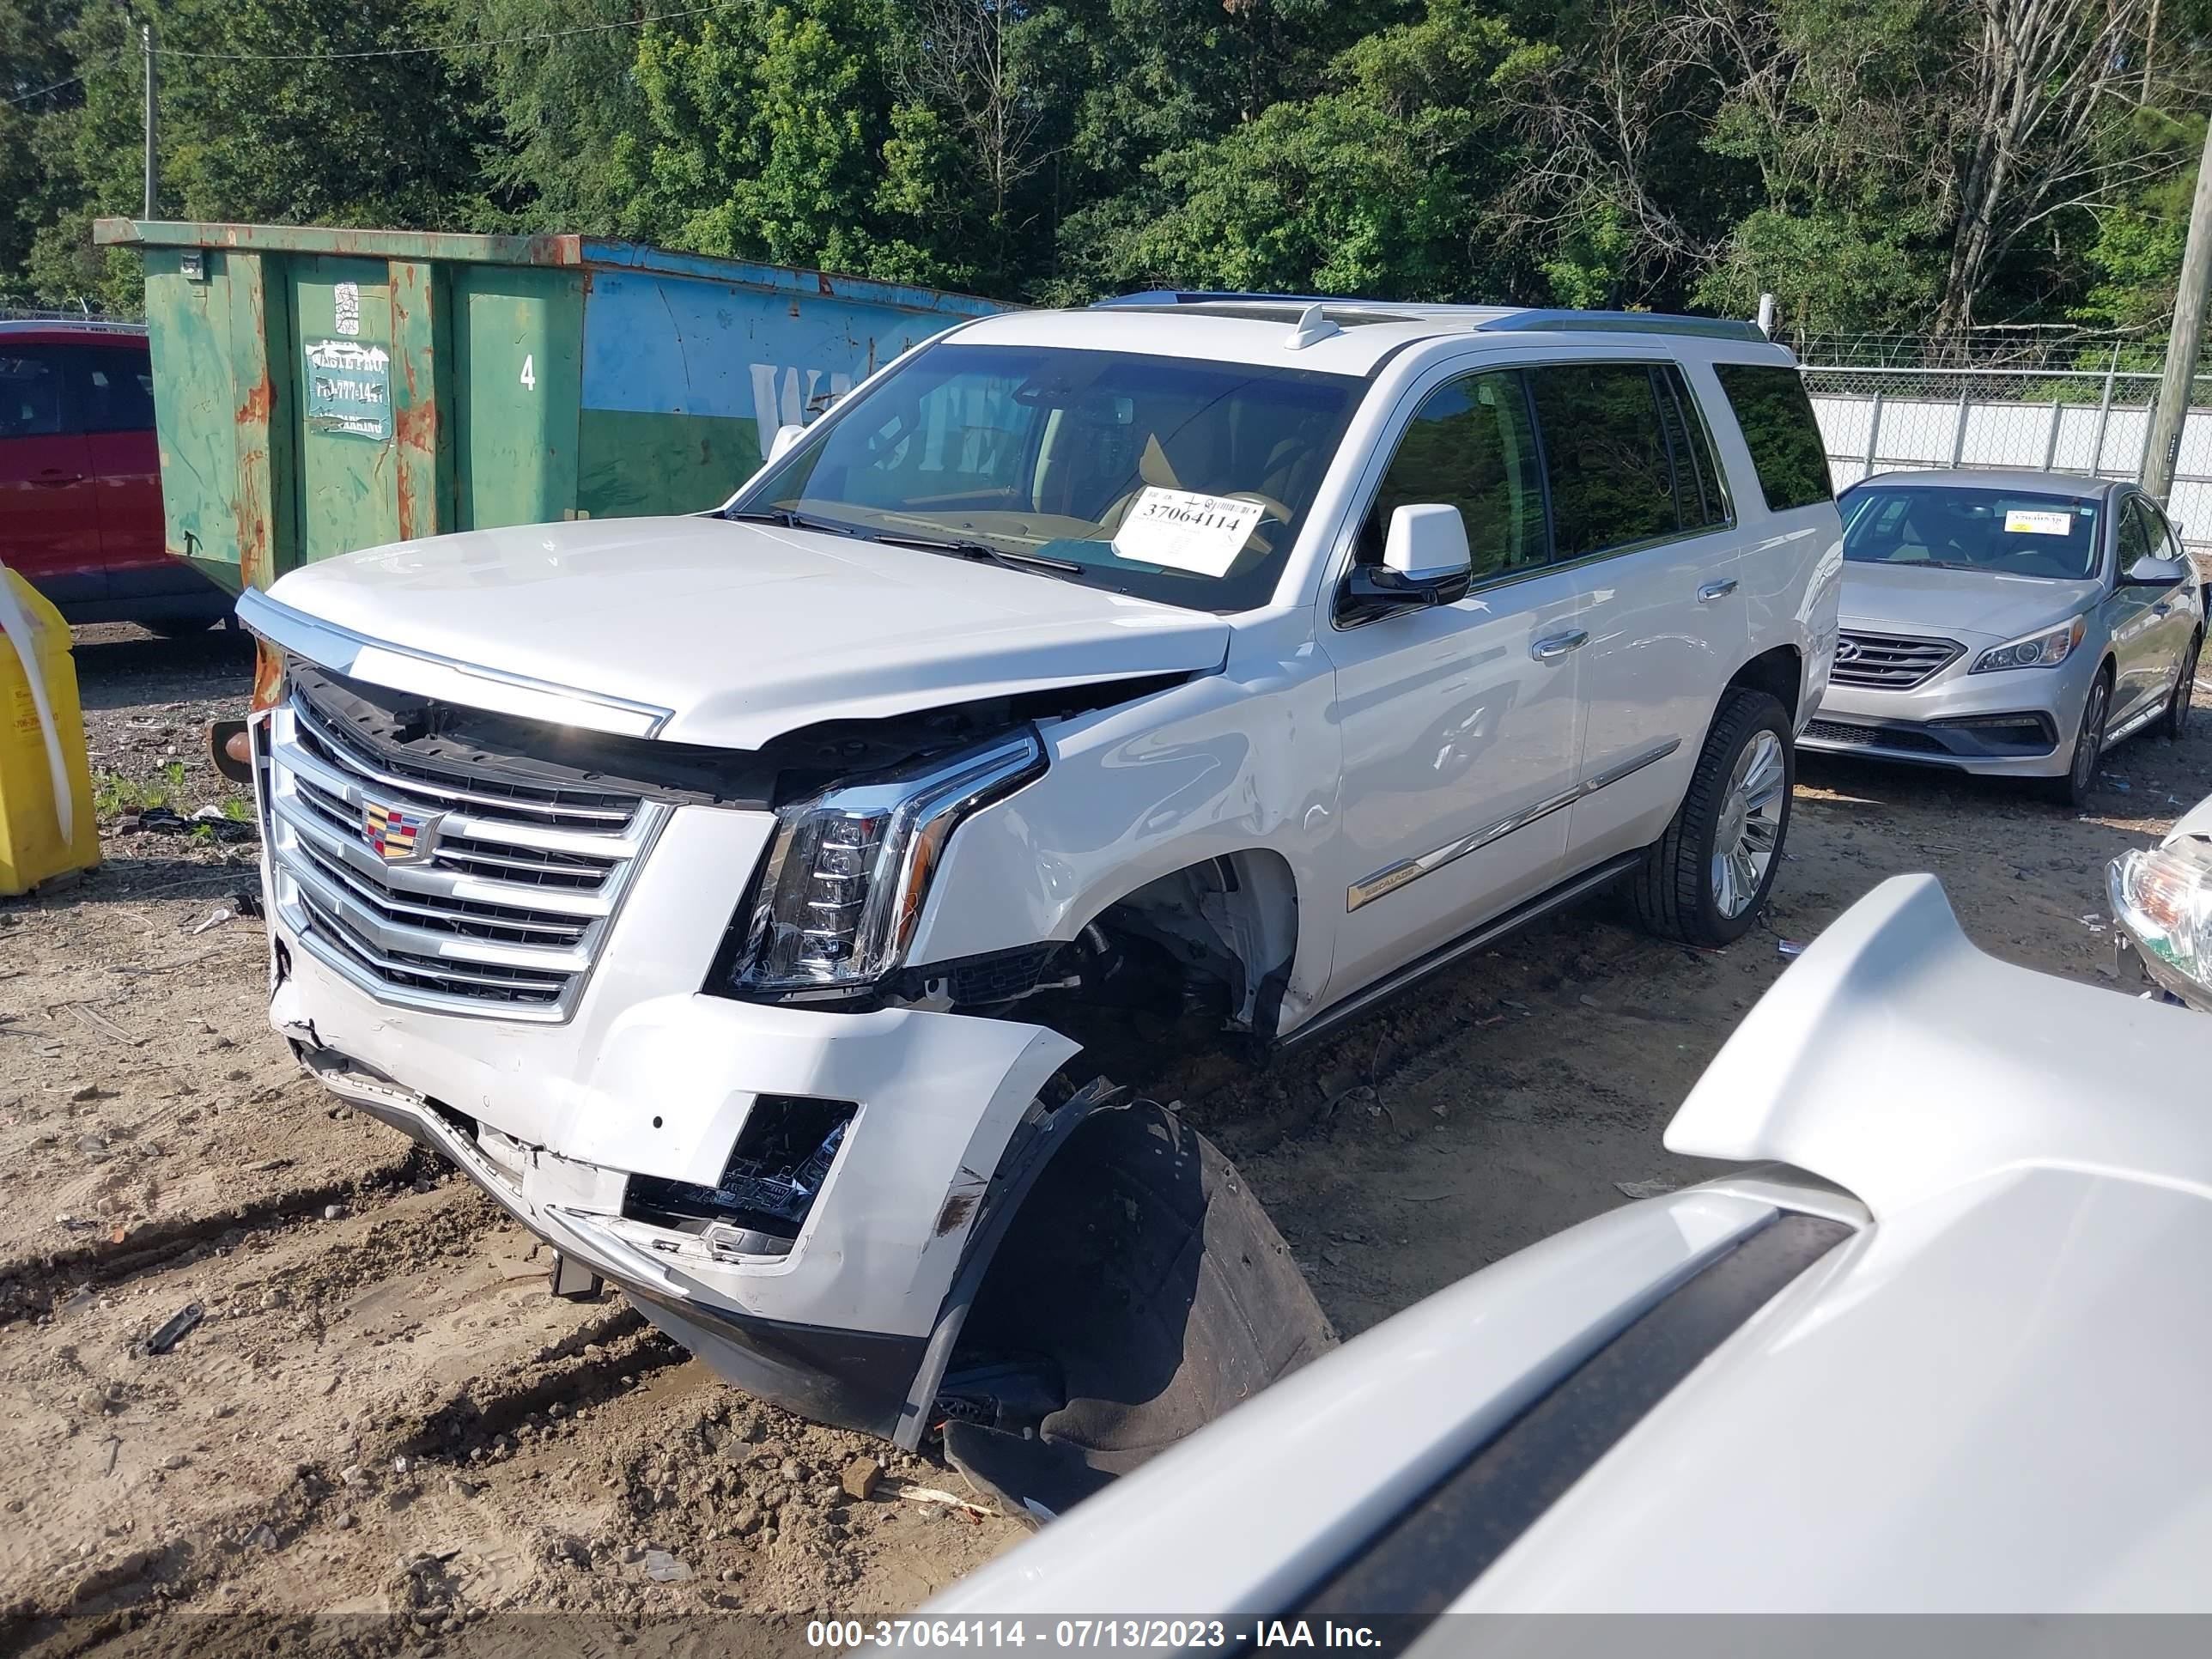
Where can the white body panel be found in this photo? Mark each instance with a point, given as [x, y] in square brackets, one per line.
[742, 631]
[1451, 725]
[1657, 658]
[1252, 1509]
[1989, 1399]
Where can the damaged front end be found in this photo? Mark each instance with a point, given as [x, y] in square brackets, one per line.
[864, 1190]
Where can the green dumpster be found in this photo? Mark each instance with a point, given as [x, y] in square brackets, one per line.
[322, 390]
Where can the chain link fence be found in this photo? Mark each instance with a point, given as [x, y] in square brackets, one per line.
[1879, 419]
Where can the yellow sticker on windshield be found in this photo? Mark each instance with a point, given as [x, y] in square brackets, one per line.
[1181, 530]
[2019, 522]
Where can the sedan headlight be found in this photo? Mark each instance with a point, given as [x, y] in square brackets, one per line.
[2162, 896]
[843, 892]
[2045, 650]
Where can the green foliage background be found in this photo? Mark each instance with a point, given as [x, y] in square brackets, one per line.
[1672, 153]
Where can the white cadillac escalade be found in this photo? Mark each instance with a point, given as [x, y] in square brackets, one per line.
[755, 903]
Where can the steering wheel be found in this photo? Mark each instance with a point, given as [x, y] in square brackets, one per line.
[1269, 502]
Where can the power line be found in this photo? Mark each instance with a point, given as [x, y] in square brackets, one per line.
[442, 46]
[43, 91]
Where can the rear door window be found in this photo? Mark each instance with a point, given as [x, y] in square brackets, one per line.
[30, 393]
[1780, 430]
[1606, 456]
[1699, 500]
[113, 388]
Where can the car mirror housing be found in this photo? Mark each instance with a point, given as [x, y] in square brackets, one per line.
[2151, 571]
[1424, 563]
[1426, 544]
[785, 436]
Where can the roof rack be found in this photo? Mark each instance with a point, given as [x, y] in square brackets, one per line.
[1624, 322]
[1191, 296]
[1488, 319]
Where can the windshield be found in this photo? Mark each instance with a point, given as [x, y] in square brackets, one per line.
[2011, 533]
[1169, 479]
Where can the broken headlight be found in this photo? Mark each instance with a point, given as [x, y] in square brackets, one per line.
[842, 893]
[2162, 896]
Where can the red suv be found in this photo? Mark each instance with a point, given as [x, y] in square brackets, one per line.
[81, 479]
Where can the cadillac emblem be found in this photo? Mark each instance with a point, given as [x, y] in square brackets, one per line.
[398, 836]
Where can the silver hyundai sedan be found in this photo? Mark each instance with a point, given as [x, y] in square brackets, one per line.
[2007, 623]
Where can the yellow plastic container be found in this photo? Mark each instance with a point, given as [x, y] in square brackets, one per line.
[46, 826]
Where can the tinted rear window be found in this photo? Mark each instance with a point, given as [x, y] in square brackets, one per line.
[1605, 455]
[114, 388]
[1779, 429]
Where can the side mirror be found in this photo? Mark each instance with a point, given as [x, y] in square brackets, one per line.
[1425, 563]
[785, 437]
[1426, 544]
[2151, 571]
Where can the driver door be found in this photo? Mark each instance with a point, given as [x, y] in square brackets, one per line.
[1460, 724]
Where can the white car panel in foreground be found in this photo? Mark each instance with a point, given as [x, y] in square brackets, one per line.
[1987, 1396]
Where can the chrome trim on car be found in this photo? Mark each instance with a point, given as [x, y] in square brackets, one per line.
[438, 933]
[1391, 878]
[342, 650]
[1890, 662]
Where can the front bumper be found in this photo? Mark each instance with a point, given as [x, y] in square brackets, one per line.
[651, 1077]
[2014, 723]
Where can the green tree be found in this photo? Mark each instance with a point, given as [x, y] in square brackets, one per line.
[250, 131]
[564, 120]
[773, 132]
[1375, 184]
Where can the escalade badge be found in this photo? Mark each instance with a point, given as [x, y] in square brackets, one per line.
[398, 836]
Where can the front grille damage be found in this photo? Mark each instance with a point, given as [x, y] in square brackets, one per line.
[774, 1172]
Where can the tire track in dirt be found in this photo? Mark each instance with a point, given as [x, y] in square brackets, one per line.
[32, 1286]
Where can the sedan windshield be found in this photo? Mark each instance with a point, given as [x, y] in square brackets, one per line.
[1166, 478]
[2009, 531]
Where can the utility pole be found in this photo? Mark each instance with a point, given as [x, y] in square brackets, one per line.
[146, 46]
[2181, 348]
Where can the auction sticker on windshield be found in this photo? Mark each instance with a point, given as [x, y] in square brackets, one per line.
[2019, 522]
[1180, 530]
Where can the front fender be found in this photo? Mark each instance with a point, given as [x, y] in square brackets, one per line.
[1202, 771]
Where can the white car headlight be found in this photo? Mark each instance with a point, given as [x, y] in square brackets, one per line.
[2045, 650]
[843, 892]
[2162, 895]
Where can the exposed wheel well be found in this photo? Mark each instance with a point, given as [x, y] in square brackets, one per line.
[1229, 924]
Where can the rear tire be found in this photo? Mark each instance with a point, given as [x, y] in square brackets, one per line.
[2174, 726]
[1704, 881]
[2074, 789]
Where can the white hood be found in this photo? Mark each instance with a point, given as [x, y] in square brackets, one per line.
[742, 631]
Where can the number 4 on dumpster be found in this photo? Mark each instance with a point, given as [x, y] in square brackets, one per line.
[530, 372]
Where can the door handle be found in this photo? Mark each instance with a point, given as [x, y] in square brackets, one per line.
[1719, 590]
[1553, 646]
[2161, 607]
[51, 479]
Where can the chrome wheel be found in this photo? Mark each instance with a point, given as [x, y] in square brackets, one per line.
[1750, 827]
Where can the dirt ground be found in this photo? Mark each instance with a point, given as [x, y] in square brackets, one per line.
[382, 1419]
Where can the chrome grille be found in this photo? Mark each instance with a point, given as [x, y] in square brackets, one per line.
[1889, 662]
[504, 910]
